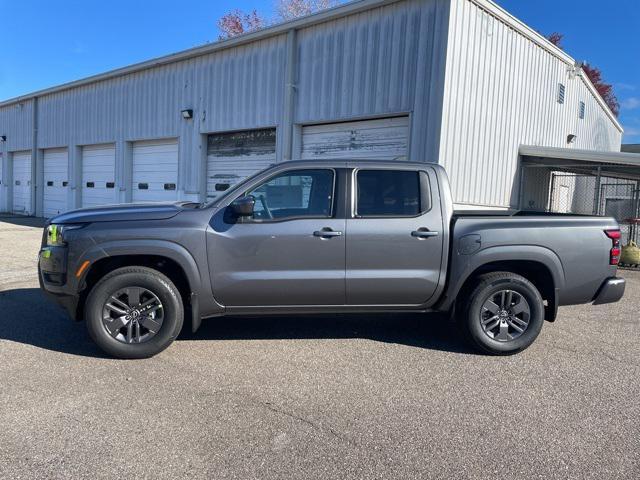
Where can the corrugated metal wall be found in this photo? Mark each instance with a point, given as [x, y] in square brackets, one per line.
[235, 88]
[387, 60]
[384, 61]
[500, 92]
[16, 122]
[239, 88]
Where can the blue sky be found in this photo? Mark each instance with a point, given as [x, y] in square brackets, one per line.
[45, 42]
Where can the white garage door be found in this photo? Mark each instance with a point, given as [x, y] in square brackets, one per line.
[155, 171]
[380, 139]
[98, 175]
[56, 182]
[231, 157]
[22, 183]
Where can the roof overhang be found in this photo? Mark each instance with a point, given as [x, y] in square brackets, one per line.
[615, 164]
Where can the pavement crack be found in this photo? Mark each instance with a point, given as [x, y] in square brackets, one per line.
[308, 422]
[298, 418]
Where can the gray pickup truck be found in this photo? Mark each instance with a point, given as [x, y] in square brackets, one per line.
[322, 237]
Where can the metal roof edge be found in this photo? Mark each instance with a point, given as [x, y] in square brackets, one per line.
[579, 154]
[500, 13]
[585, 79]
[349, 8]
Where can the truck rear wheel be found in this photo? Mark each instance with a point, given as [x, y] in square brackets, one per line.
[504, 313]
[134, 312]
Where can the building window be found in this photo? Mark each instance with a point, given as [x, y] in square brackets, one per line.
[561, 91]
[581, 111]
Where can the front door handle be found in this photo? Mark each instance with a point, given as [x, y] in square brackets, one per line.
[326, 233]
[424, 233]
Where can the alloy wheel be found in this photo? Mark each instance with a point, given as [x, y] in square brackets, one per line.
[133, 315]
[505, 315]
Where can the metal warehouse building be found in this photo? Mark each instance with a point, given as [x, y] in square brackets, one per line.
[459, 82]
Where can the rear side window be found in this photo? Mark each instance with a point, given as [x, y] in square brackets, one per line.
[392, 193]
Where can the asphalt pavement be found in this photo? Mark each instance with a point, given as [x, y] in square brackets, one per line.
[370, 396]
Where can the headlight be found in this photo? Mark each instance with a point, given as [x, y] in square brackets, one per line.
[56, 234]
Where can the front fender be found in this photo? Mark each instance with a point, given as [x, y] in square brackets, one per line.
[463, 266]
[160, 248]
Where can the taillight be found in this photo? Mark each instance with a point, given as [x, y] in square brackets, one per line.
[614, 253]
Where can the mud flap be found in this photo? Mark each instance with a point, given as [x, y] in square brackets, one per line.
[195, 313]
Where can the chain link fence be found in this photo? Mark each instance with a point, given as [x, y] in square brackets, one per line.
[545, 189]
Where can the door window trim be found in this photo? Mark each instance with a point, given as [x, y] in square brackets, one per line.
[246, 220]
[354, 192]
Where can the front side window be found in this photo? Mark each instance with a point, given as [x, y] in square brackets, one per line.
[392, 193]
[295, 194]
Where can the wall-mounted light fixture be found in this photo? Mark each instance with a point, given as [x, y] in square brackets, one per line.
[3, 138]
[187, 113]
[571, 138]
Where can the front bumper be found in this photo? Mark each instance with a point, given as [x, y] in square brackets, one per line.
[52, 275]
[52, 264]
[610, 291]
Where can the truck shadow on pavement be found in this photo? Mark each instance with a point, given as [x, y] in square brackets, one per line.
[28, 317]
[22, 220]
[428, 331]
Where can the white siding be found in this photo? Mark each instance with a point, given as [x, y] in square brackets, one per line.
[22, 182]
[501, 92]
[382, 139]
[155, 166]
[98, 173]
[56, 182]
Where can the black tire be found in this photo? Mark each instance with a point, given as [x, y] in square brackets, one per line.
[471, 317]
[136, 277]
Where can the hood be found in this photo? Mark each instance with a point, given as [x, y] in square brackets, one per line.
[122, 212]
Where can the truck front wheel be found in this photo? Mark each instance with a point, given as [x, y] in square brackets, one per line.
[134, 312]
[504, 313]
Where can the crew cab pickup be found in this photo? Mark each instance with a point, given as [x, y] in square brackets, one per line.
[321, 237]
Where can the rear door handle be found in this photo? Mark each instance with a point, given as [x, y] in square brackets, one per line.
[326, 233]
[424, 233]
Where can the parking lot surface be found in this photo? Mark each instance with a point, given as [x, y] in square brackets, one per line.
[392, 396]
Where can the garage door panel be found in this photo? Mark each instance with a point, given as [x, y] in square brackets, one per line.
[22, 182]
[384, 139]
[155, 171]
[98, 175]
[56, 173]
[234, 156]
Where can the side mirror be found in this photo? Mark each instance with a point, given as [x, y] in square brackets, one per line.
[243, 206]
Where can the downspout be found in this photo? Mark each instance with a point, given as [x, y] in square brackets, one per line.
[34, 157]
[288, 110]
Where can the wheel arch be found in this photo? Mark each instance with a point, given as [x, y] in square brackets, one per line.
[539, 265]
[536, 272]
[170, 259]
